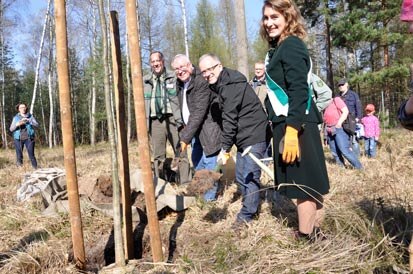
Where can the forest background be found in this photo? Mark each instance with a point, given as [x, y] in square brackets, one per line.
[361, 40]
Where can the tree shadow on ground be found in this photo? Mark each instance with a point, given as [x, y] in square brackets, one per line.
[32, 237]
[281, 206]
[393, 219]
[140, 243]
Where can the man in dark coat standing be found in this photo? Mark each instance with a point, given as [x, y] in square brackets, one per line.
[244, 124]
[353, 103]
[201, 117]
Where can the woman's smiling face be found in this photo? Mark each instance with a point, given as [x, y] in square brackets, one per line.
[274, 22]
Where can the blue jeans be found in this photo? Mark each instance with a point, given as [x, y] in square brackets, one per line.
[201, 161]
[355, 145]
[248, 174]
[340, 148]
[370, 147]
[29, 144]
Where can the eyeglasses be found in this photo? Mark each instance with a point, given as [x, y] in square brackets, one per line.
[210, 69]
[181, 69]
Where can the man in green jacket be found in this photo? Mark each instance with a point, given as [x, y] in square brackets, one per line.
[163, 115]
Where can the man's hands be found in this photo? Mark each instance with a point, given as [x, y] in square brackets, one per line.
[291, 150]
[223, 157]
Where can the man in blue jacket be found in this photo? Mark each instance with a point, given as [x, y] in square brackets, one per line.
[244, 124]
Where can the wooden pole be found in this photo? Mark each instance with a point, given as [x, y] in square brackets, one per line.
[143, 140]
[122, 144]
[67, 133]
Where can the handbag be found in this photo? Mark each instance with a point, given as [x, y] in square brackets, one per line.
[349, 125]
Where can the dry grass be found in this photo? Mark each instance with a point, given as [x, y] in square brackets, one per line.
[368, 223]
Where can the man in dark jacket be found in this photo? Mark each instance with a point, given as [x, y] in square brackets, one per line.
[243, 124]
[200, 115]
[162, 113]
[353, 103]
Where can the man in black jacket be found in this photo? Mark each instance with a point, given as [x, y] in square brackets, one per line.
[353, 103]
[201, 117]
[243, 124]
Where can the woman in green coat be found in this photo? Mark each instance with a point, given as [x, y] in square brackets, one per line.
[300, 170]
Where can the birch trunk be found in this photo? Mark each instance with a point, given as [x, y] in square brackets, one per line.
[2, 102]
[43, 116]
[92, 119]
[50, 86]
[185, 27]
[117, 226]
[39, 57]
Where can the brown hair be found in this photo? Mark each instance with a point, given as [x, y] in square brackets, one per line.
[19, 104]
[294, 20]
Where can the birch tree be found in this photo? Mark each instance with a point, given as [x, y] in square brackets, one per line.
[185, 27]
[39, 57]
[119, 252]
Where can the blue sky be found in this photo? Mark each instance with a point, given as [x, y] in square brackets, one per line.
[252, 9]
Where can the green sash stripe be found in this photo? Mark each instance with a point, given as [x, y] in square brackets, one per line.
[278, 91]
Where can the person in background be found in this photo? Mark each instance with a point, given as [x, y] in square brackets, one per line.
[300, 170]
[22, 128]
[371, 131]
[258, 82]
[405, 113]
[201, 117]
[259, 85]
[244, 124]
[334, 116]
[163, 115]
[353, 103]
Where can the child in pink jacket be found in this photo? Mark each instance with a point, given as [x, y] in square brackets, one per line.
[371, 131]
[406, 14]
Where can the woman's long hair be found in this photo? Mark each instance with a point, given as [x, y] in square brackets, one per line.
[293, 18]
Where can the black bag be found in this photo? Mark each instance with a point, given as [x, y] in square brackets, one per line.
[349, 124]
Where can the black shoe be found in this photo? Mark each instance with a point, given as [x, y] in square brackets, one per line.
[318, 235]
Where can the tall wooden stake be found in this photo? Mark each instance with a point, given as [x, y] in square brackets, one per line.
[143, 140]
[67, 133]
[122, 145]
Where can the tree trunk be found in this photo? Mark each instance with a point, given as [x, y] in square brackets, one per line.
[330, 77]
[92, 119]
[185, 26]
[3, 101]
[122, 144]
[242, 45]
[50, 85]
[117, 226]
[67, 132]
[39, 57]
[43, 116]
